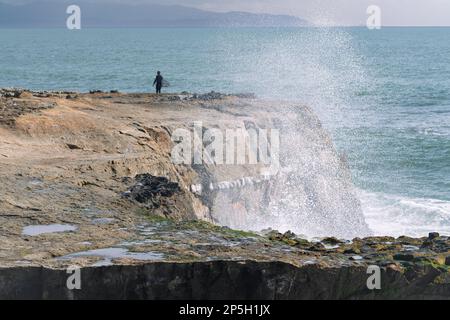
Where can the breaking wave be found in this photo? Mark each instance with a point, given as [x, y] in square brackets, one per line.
[398, 215]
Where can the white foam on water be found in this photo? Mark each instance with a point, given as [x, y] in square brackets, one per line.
[399, 215]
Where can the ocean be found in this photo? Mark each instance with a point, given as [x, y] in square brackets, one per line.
[383, 94]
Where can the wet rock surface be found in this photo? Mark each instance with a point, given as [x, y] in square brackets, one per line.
[91, 179]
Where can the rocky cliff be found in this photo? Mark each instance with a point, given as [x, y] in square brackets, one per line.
[90, 180]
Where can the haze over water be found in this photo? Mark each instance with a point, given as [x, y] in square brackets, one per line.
[384, 95]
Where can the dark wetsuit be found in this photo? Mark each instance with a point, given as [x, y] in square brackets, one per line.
[158, 81]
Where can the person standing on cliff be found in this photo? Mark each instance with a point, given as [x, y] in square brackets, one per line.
[159, 82]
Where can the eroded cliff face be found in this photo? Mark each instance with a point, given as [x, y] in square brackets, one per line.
[196, 260]
[76, 154]
[216, 280]
[89, 180]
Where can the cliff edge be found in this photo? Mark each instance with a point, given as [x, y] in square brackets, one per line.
[90, 180]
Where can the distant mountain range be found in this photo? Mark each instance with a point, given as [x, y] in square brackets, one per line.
[53, 14]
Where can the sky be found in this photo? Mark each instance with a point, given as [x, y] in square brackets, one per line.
[325, 12]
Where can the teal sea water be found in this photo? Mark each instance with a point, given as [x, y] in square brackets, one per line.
[384, 94]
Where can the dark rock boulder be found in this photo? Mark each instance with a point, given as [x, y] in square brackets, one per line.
[433, 235]
[150, 190]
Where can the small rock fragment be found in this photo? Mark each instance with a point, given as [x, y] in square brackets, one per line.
[404, 257]
[332, 241]
[72, 146]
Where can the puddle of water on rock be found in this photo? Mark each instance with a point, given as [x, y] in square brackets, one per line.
[86, 243]
[146, 230]
[330, 247]
[43, 229]
[93, 212]
[140, 242]
[187, 233]
[101, 221]
[109, 254]
[35, 182]
[410, 248]
[216, 241]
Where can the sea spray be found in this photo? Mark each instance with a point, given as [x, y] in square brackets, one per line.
[311, 194]
[319, 67]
